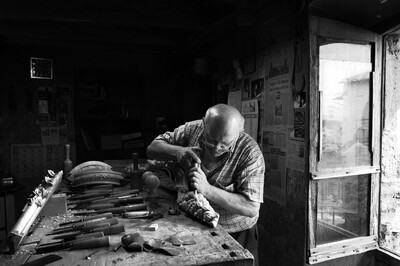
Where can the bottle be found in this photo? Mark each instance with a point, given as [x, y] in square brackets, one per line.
[67, 162]
[136, 174]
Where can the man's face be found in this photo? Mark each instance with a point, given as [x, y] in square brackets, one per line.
[217, 140]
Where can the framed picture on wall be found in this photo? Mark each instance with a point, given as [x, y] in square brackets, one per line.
[41, 68]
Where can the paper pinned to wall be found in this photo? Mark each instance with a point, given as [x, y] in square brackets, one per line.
[250, 113]
[234, 99]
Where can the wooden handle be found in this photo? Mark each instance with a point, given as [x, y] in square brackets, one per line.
[94, 234]
[91, 243]
[107, 215]
[111, 230]
[90, 228]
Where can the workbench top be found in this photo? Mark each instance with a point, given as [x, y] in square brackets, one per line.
[214, 246]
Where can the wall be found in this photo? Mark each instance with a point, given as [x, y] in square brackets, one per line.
[390, 178]
[161, 95]
[281, 62]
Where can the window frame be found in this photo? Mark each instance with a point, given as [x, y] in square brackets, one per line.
[322, 28]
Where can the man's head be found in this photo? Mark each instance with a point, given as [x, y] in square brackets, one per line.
[223, 125]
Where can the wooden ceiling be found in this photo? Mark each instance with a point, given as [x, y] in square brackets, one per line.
[165, 26]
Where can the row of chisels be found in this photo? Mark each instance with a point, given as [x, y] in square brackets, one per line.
[97, 208]
[87, 232]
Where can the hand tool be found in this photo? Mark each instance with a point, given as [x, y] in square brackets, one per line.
[136, 214]
[91, 255]
[86, 227]
[88, 218]
[77, 244]
[110, 204]
[80, 225]
[116, 197]
[89, 195]
[85, 201]
[76, 238]
[106, 230]
[120, 210]
[152, 217]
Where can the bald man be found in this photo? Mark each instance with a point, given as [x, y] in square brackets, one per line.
[223, 163]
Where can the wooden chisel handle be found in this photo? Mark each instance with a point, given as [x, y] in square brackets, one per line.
[111, 230]
[91, 243]
[94, 234]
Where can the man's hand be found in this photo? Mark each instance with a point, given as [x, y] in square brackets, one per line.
[187, 157]
[163, 151]
[198, 180]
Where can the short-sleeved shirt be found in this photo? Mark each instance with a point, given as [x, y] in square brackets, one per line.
[241, 170]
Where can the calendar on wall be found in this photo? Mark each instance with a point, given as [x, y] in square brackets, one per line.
[33, 160]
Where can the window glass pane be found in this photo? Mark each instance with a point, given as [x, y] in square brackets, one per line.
[342, 208]
[344, 82]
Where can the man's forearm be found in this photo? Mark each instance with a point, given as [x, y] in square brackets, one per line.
[161, 150]
[232, 202]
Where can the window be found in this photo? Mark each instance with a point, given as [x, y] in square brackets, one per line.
[344, 146]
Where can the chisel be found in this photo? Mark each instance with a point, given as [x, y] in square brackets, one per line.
[80, 225]
[74, 239]
[77, 244]
[86, 227]
[106, 230]
[89, 195]
[122, 209]
[88, 218]
[110, 204]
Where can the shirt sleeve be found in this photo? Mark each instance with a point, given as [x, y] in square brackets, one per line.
[250, 179]
[176, 137]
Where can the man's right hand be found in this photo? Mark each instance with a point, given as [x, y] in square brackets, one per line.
[186, 157]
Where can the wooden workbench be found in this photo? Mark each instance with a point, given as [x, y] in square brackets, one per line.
[214, 246]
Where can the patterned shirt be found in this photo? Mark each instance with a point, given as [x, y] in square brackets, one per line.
[241, 170]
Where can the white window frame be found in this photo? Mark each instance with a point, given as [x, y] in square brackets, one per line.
[329, 29]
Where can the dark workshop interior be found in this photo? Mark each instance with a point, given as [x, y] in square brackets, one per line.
[108, 76]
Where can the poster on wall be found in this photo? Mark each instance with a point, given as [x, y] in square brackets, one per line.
[234, 99]
[274, 151]
[279, 99]
[250, 113]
